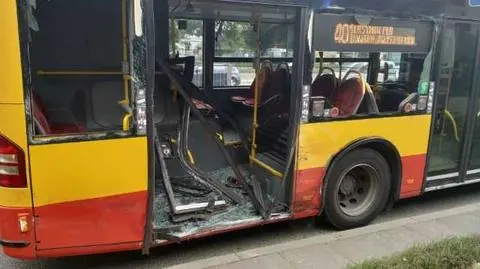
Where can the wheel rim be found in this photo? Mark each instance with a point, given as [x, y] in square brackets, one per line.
[357, 190]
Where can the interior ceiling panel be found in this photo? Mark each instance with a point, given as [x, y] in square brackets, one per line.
[426, 7]
[228, 11]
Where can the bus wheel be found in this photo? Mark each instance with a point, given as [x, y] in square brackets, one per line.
[357, 189]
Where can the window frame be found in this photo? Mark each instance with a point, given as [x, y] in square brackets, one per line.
[249, 60]
[363, 48]
[340, 60]
[25, 45]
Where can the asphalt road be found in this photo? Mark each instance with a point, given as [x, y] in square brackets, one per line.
[224, 244]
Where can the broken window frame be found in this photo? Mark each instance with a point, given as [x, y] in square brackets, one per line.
[135, 75]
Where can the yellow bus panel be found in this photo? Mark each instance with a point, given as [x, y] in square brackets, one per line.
[11, 85]
[87, 170]
[319, 142]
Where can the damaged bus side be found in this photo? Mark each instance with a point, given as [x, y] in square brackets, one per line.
[225, 152]
[139, 123]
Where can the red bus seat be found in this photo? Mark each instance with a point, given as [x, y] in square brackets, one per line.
[263, 78]
[277, 90]
[348, 97]
[325, 85]
[44, 126]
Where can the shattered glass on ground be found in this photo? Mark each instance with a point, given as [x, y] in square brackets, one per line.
[233, 214]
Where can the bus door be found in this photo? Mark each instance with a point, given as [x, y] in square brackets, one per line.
[88, 147]
[454, 153]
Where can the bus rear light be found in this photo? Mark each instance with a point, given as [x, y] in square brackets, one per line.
[9, 170]
[8, 158]
[12, 165]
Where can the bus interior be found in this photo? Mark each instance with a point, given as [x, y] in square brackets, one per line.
[214, 178]
[222, 158]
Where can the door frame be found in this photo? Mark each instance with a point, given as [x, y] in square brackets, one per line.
[472, 110]
[457, 176]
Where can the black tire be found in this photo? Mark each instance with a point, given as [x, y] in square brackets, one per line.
[347, 170]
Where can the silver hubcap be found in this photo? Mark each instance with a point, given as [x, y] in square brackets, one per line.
[357, 190]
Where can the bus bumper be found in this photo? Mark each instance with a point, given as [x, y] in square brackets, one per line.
[15, 242]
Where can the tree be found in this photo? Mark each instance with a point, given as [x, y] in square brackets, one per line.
[271, 36]
[231, 37]
[237, 37]
[194, 27]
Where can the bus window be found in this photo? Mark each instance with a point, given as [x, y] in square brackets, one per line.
[370, 67]
[186, 39]
[81, 69]
[236, 46]
[392, 77]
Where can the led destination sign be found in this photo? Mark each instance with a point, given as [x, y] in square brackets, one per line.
[356, 33]
[373, 35]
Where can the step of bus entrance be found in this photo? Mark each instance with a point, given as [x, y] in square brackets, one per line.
[271, 160]
[279, 146]
[273, 135]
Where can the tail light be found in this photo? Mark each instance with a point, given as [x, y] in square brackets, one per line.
[12, 165]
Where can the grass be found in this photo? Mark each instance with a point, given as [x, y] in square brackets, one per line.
[455, 253]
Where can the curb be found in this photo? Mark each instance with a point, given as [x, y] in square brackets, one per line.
[324, 238]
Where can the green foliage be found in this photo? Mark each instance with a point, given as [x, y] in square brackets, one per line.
[232, 36]
[454, 253]
[237, 37]
[244, 36]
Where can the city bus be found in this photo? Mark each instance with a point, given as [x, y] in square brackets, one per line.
[117, 133]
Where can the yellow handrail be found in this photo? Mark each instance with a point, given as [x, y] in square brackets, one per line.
[258, 71]
[190, 157]
[84, 73]
[253, 150]
[78, 73]
[454, 124]
[266, 167]
[126, 122]
[126, 77]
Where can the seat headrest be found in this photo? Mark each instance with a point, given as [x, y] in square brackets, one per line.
[349, 96]
[351, 84]
[263, 77]
[324, 85]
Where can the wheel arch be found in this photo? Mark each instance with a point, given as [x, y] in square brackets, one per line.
[386, 149]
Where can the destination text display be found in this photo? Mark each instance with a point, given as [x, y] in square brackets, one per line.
[354, 34]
